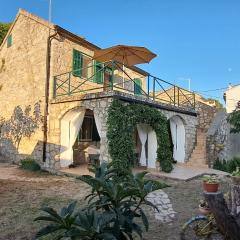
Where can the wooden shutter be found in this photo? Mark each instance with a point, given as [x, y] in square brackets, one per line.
[137, 86]
[77, 63]
[98, 72]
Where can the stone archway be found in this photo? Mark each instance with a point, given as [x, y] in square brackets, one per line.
[70, 124]
[178, 138]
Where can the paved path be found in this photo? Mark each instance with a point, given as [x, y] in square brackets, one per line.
[165, 212]
[186, 173]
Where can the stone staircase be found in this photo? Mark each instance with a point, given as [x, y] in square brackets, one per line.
[198, 156]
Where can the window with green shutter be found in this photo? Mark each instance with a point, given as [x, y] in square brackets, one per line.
[9, 41]
[98, 72]
[137, 86]
[77, 63]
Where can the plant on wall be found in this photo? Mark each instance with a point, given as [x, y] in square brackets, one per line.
[122, 120]
[234, 120]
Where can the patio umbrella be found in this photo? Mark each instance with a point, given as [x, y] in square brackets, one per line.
[126, 55]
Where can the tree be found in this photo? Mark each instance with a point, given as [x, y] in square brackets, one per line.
[4, 27]
[234, 120]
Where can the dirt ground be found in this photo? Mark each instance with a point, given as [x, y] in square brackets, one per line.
[23, 193]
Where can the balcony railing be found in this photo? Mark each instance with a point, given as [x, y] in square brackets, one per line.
[113, 76]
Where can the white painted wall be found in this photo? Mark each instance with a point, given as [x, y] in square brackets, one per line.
[178, 137]
[232, 97]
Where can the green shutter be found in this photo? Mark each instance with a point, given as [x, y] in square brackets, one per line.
[98, 72]
[77, 63]
[137, 86]
[9, 41]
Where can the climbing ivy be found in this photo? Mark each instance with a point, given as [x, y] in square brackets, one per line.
[122, 120]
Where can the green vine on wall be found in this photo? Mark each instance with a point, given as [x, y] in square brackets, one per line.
[122, 121]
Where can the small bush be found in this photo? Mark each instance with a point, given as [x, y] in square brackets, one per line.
[227, 166]
[220, 165]
[29, 164]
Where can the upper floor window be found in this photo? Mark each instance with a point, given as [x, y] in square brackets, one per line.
[9, 41]
[83, 66]
[137, 86]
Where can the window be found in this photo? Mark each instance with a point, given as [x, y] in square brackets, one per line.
[137, 86]
[98, 72]
[9, 41]
[77, 63]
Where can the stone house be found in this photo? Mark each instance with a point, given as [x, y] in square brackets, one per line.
[43, 63]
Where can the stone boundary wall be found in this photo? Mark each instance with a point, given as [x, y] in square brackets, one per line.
[218, 144]
[206, 115]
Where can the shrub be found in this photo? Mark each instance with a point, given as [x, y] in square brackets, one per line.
[227, 166]
[29, 164]
[114, 208]
[220, 165]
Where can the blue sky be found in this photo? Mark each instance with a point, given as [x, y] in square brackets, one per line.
[196, 39]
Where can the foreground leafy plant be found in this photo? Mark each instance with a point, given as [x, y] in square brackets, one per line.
[114, 205]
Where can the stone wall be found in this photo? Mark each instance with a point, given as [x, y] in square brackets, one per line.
[22, 78]
[59, 108]
[206, 114]
[221, 144]
[218, 139]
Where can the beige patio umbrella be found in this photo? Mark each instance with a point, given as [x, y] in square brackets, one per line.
[127, 55]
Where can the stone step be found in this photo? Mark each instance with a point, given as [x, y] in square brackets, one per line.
[199, 152]
[197, 165]
[200, 147]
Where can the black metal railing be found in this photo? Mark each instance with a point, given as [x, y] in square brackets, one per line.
[114, 76]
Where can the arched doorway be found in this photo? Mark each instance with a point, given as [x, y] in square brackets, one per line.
[178, 138]
[79, 131]
[148, 145]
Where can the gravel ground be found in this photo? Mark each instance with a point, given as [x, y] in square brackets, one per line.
[22, 193]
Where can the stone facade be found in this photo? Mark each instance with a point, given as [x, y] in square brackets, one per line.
[23, 78]
[59, 108]
[100, 102]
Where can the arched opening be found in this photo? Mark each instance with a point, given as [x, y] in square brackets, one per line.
[80, 140]
[87, 144]
[178, 138]
[145, 145]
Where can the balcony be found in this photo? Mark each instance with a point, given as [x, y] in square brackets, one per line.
[112, 76]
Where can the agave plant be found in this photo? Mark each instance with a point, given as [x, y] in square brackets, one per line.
[114, 206]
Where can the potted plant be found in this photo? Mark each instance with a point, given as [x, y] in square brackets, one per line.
[236, 176]
[204, 208]
[210, 183]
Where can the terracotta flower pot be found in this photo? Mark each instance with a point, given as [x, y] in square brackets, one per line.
[210, 187]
